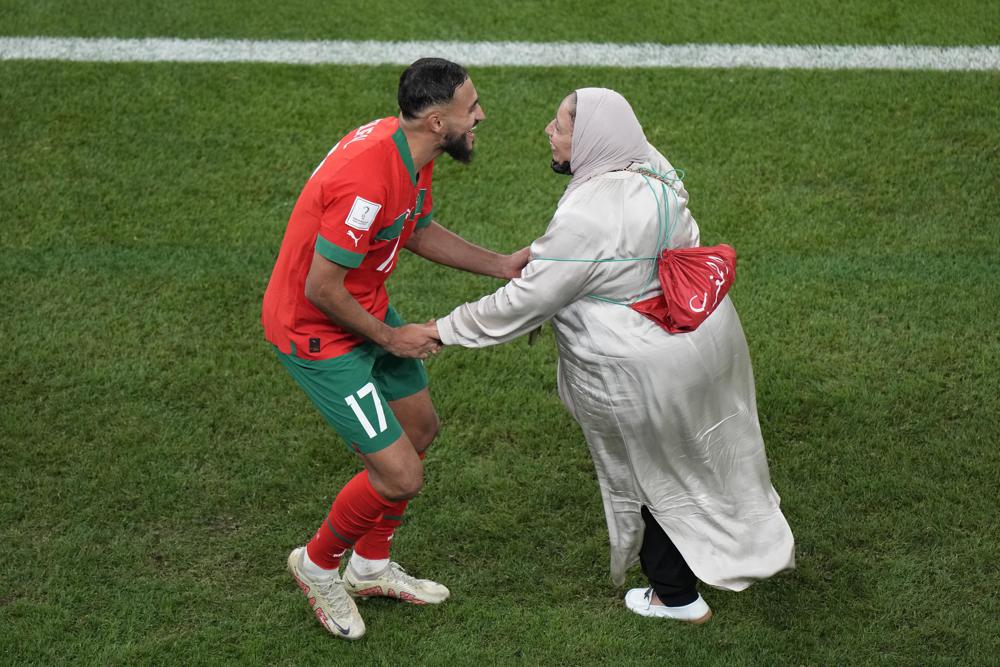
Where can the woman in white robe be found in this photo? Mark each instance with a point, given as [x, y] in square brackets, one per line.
[670, 419]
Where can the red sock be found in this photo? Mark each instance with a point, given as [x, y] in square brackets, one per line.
[375, 544]
[355, 510]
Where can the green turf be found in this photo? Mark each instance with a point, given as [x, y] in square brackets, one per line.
[725, 21]
[157, 464]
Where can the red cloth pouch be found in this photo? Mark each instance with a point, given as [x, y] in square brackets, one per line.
[694, 282]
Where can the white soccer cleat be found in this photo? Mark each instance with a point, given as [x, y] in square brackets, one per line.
[334, 608]
[639, 600]
[394, 582]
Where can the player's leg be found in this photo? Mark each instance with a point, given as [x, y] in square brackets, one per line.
[344, 392]
[394, 472]
[372, 573]
[391, 474]
[419, 419]
[672, 592]
[404, 382]
[416, 415]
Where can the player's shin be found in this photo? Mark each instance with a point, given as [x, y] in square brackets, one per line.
[354, 513]
[374, 546]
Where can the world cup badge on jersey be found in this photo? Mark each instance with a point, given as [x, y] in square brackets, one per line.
[362, 214]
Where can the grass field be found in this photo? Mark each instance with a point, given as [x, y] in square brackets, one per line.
[157, 464]
[724, 21]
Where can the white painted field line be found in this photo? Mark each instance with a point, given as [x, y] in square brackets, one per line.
[958, 58]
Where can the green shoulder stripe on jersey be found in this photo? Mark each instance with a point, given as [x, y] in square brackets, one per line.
[419, 208]
[404, 153]
[425, 219]
[338, 255]
[393, 230]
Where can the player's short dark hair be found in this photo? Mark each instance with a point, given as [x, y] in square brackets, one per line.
[427, 82]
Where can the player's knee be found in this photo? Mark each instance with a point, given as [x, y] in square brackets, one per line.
[405, 485]
[411, 485]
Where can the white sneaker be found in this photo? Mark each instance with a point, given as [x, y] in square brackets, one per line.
[333, 607]
[639, 599]
[394, 582]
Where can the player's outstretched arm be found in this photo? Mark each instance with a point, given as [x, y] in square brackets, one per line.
[440, 245]
[325, 289]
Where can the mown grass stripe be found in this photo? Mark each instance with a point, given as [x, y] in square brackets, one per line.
[697, 56]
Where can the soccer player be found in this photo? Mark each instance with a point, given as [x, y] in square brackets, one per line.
[327, 313]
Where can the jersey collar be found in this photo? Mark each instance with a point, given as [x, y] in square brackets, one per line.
[404, 153]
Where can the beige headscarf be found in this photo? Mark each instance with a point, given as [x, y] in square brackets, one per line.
[606, 136]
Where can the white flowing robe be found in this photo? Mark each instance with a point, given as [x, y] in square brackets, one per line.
[670, 419]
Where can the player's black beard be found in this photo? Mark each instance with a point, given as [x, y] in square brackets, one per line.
[455, 146]
[562, 168]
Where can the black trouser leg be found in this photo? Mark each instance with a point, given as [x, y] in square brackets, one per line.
[663, 565]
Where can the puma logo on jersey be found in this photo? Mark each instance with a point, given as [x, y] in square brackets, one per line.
[353, 237]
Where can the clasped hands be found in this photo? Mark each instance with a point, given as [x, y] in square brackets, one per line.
[420, 341]
[415, 341]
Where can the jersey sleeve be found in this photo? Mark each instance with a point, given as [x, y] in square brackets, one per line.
[425, 200]
[352, 215]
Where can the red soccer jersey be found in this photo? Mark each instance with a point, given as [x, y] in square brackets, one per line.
[358, 209]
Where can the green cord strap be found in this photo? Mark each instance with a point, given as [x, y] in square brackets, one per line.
[590, 261]
[664, 228]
